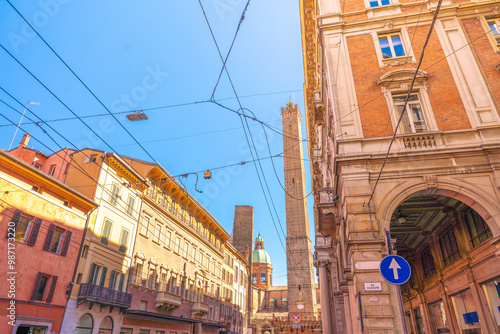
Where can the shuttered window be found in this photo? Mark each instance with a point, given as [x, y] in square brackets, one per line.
[57, 240]
[39, 288]
[123, 240]
[130, 205]
[115, 191]
[53, 282]
[106, 232]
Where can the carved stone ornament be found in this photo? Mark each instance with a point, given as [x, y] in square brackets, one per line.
[430, 181]
[388, 25]
[141, 256]
[497, 67]
[495, 9]
[322, 263]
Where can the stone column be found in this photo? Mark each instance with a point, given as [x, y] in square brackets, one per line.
[326, 296]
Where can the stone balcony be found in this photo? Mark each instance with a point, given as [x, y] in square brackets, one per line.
[327, 210]
[93, 293]
[200, 309]
[167, 301]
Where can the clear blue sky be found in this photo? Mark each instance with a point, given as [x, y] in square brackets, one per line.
[141, 55]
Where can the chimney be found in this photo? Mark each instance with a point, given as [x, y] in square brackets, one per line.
[25, 140]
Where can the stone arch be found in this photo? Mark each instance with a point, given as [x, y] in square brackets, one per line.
[474, 198]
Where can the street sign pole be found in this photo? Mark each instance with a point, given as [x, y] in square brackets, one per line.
[395, 269]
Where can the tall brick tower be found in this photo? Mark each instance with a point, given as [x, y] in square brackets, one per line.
[243, 229]
[301, 286]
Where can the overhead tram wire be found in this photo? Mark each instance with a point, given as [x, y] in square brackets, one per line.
[54, 95]
[406, 101]
[81, 169]
[230, 49]
[242, 123]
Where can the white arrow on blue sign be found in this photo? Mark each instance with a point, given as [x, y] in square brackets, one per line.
[395, 269]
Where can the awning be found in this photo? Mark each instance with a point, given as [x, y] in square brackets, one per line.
[213, 324]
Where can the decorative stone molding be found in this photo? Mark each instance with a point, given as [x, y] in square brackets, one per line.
[419, 142]
[497, 67]
[322, 263]
[388, 25]
[153, 261]
[430, 181]
[323, 242]
[140, 255]
[495, 9]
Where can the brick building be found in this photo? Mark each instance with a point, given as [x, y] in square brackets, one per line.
[438, 196]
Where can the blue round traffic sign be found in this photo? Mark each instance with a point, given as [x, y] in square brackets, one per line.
[395, 269]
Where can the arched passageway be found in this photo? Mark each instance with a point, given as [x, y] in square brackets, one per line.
[455, 281]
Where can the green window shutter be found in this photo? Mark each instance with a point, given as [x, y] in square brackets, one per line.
[52, 288]
[112, 279]
[106, 232]
[123, 241]
[120, 284]
[50, 234]
[103, 276]
[92, 273]
[35, 227]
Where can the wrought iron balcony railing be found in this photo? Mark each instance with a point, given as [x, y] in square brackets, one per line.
[93, 293]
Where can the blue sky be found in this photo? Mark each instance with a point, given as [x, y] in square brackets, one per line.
[157, 54]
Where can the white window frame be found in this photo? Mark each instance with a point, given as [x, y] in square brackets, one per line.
[426, 110]
[492, 37]
[409, 56]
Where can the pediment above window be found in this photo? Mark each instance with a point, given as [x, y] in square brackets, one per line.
[401, 78]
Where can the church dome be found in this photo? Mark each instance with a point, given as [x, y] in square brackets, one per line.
[260, 256]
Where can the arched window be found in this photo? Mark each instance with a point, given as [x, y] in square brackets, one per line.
[85, 325]
[106, 326]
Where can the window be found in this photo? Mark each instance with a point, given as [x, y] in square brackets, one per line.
[177, 244]
[494, 25]
[413, 119]
[97, 274]
[377, 3]
[115, 193]
[85, 251]
[428, 263]
[106, 232]
[40, 286]
[254, 278]
[22, 227]
[38, 166]
[85, 324]
[478, 229]
[35, 188]
[449, 247]
[168, 238]
[186, 249]
[130, 205]
[67, 203]
[152, 278]
[157, 232]
[52, 170]
[438, 314]
[138, 274]
[144, 331]
[144, 226]
[90, 159]
[116, 280]
[263, 278]
[123, 240]
[55, 239]
[391, 45]
[193, 254]
[106, 326]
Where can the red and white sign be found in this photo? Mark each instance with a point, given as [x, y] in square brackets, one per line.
[295, 317]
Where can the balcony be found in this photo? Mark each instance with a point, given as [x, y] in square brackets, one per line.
[167, 301]
[104, 296]
[200, 309]
[327, 210]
